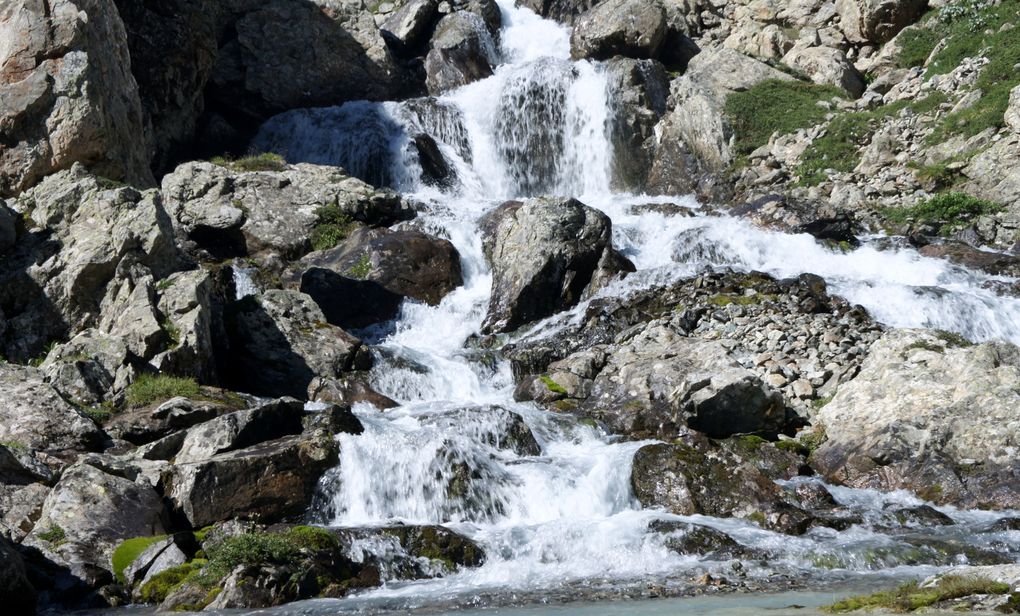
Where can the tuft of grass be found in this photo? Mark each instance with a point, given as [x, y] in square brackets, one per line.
[776, 106]
[101, 413]
[258, 548]
[361, 268]
[54, 535]
[333, 227]
[950, 211]
[552, 385]
[952, 339]
[150, 388]
[910, 597]
[916, 46]
[268, 161]
[128, 551]
[171, 332]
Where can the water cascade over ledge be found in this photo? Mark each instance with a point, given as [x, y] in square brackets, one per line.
[564, 517]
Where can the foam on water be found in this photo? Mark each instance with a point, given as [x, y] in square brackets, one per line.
[540, 125]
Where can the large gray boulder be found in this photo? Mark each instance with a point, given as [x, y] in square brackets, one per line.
[828, 66]
[877, 21]
[658, 381]
[930, 414]
[91, 510]
[546, 255]
[632, 28]
[90, 368]
[364, 279]
[409, 26]
[91, 260]
[34, 416]
[68, 94]
[462, 51]
[227, 211]
[280, 341]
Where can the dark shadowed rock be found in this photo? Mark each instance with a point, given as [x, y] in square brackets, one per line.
[632, 28]
[462, 52]
[638, 92]
[18, 593]
[696, 540]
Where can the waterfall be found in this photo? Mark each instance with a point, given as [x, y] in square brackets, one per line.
[563, 513]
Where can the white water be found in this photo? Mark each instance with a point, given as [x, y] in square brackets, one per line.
[567, 516]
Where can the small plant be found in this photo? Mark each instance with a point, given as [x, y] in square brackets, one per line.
[159, 587]
[171, 332]
[54, 535]
[776, 106]
[258, 162]
[949, 212]
[361, 268]
[129, 551]
[35, 362]
[100, 414]
[953, 339]
[334, 226]
[150, 388]
[109, 184]
[552, 385]
[911, 596]
[165, 284]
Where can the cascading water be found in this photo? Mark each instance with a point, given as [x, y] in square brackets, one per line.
[558, 511]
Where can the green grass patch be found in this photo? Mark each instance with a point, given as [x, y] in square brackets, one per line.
[129, 551]
[725, 299]
[333, 227]
[916, 46]
[259, 548]
[552, 385]
[776, 106]
[159, 587]
[949, 212]
[910, 597]
[150, 388]
[53, 535]
[258, 162]
[361, 268]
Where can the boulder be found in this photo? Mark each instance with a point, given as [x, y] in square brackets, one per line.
[770, 42]
[173, 47]
[697, 119]
[546, 255]
[18, 593]
[163, 554]
[8, 228]
[638, 92]
[695, 540]
[34, 416]
[1012, 117]
[265, 482]
[90, 369]
[659, 380]
[418, 552]
[91, 259]
[89, 513]
[408, 28]
[693, 476]
[146, 424]
[226, 211]
[931, 414]
[186, 305]
[241, 429]
[280, 341]
[68, 94]
[877, 21]
[826, 65]
[632, 28]
[462, 51]
[399, 264]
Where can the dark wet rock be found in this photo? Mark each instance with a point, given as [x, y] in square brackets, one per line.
[693, 476]
[921, 515]
[334, 419]
[435, 169]
[995, 263]
[266, 482]
[442, 550]
[927, 413]
[1005, 525]
[379, 267]
[348, 390]
[461, 52]
[693, 539]
[280, 341]
[546, 255]
[632, 28]
[503, 429]
[18, 593]
[408, 28]
[639, 89]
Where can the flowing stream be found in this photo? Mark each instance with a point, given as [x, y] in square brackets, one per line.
[565, 523]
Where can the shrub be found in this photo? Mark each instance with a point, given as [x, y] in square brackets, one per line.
[258, 162]
[948, 211]
[361, 268]
[129, 551]
[334, 226]
[150, 388]
[776, 106]
[257, 548]
[159, 587]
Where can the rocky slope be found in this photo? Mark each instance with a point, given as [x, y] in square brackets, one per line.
[164, 319]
